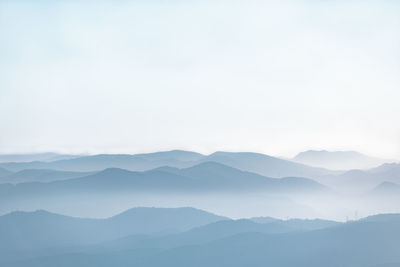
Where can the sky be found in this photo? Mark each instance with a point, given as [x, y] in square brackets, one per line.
[276, 77]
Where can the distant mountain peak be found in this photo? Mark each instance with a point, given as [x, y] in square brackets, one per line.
[337, 160]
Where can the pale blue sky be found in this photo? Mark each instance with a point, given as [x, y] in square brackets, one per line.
[275, 77]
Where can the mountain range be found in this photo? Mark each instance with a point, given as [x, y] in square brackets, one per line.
[215, 241]
[363, 180]
[253, 162]
[41, 229]
[205, 177]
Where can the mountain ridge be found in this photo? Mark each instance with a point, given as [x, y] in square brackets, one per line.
[206, 176]
[247, 161]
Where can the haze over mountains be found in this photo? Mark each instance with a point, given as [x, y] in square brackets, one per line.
[197, 184]
[43, 229]
[269, 208]
[88, 87]
[386, 189]
[194, 179]
[253, 162]
[362, 180]
[208, 176]
[137, 162]
[143, 237]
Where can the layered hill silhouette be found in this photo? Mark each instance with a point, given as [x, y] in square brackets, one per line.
[205, 177]
[355, 244]
[138, 162]
[266, 165]
[253, 162]
[365, 179]
[370, 242]
[218, 230]
[41, 229]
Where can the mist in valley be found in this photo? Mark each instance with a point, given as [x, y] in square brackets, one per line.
[199, 133]
[114, 216]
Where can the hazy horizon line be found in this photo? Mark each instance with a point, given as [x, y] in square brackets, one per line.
[93, 153]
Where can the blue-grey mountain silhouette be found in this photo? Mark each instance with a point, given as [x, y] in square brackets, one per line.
[368, 242]
[265, 165]
[138, 162]
[253, 162]
[364, 179]
[205, 177]
[150, 237]
[42, 229]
